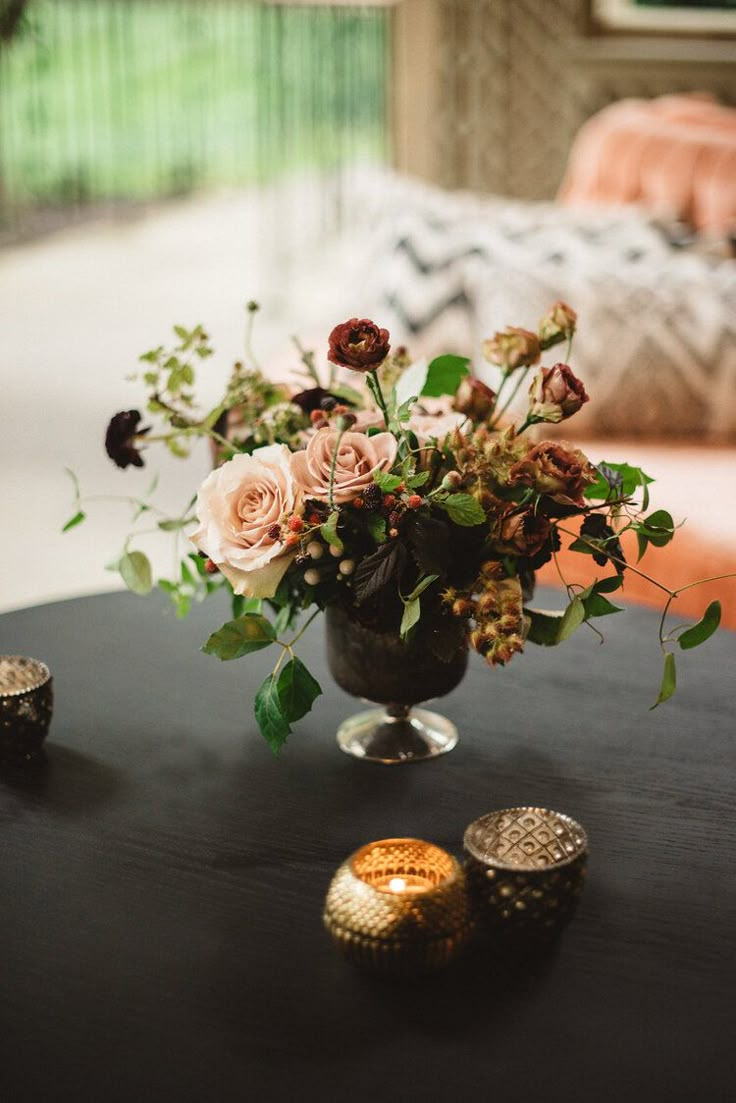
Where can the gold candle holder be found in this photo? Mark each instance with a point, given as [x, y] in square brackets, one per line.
[399, 906]
[26, 702]
[526, 868]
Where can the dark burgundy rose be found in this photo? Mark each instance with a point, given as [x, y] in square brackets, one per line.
[358, 344]
[314, 398]
[121, 436]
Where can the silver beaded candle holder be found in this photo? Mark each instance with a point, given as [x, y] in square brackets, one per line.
[526, 868]
[399, 906]
[26, 703]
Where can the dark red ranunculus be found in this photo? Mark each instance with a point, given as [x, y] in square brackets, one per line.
[358, 344]
[121, 436]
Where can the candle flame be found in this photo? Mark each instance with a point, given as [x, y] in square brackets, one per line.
[397, 884]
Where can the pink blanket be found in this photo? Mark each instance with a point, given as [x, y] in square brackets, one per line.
[675, 155]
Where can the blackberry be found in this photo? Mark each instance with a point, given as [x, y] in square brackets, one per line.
[372, 496]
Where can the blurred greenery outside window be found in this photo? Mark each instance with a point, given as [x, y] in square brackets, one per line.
[140, 99]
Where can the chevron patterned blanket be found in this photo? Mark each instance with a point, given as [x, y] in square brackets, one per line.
[657, 340]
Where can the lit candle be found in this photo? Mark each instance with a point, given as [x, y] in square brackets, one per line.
[399, 905]
[400, 886]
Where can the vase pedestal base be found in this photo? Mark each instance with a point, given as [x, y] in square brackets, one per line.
[396, 735]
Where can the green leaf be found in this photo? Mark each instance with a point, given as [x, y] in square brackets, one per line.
[386, 482]
[704, 629]
[421, 586]
[251, 632]
[544, 628]
[608, 585]
[240, 604]
[463, 509]
[297, 690]
[572, 618]
[418, 480]
[410, 383]
[404, 411]
[270, 718]
[412, 613]
[329, 530]
[598, 606]
[135, 571]
[444, 375]
[624, 480]
[74, 521]
[376, 526]
[669, 680]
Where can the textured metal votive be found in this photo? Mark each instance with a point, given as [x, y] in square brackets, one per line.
[399, 906]
[526, 869]
[26, 702]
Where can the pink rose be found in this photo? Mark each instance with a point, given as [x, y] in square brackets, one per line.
[555, 394]
[359, 458]
[512, 348]
[236, 506]
[557, 325]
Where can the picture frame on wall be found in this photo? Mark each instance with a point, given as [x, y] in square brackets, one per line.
[684, 17]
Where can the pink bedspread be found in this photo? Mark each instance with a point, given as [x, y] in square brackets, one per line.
[675, 155]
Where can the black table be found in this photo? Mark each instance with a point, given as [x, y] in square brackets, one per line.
[162, 880]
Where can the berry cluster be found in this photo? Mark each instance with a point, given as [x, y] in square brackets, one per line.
[495, 604]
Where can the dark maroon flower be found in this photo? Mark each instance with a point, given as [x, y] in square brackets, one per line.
[121, 436]
[314, 399]
[358, 344]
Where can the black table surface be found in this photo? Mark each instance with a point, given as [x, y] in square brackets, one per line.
[162, 880]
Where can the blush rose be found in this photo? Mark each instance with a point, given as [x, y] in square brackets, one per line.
[359, 457]
[237, 504]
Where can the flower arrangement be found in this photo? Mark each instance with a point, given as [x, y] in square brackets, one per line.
[400, 490]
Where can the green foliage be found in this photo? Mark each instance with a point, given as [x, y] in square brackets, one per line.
[444, 375]
[376, 526]
[617, 480]
[135, 571]
[657, 529]
[282, 699]
[250, 632]
[551, 628]
[77, 519]
[329, 530]
[704, 629]
[387, 483]
[463, 509]
[669, 680]
[412, 606]
[571, 620]
[415, 481]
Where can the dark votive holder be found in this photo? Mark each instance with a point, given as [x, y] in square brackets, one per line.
[26, 705]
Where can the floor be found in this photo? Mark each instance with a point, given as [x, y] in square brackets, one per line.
[81, 305]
